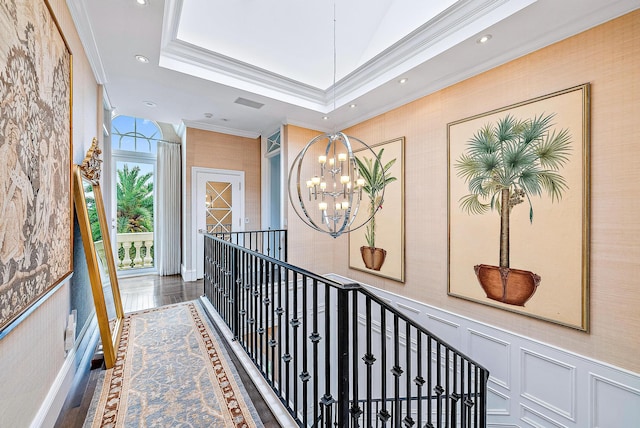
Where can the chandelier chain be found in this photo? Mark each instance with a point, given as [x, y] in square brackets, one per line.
[334, 183]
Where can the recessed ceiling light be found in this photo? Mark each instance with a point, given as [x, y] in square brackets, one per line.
[403, 80]
[208, 115]
[353, 105]
[484, 39]
[143, 59]
[325, 117]
[150, 103]
[142, 2]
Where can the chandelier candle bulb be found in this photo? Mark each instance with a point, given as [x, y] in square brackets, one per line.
[309, 186]
[340, 185]
[344, 180]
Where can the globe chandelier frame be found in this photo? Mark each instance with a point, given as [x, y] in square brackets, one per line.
[335, 181]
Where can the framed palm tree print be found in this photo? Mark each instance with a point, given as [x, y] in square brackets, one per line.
[378, 247]
[518, 207]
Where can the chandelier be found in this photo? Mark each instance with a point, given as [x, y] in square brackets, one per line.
[330, 181]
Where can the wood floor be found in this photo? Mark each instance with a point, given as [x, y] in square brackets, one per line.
[138, 293]
[152, 291]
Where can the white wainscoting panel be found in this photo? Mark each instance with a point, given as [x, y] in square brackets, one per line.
[556, 390]
[494, 354]
[538, 420]
[497, 402]
[445, 329]
[608, 398]
[501, 425]
[532, 384]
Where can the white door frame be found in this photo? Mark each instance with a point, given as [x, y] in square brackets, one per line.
[212, 174]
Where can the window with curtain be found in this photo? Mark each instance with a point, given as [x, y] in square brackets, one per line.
[148, 199]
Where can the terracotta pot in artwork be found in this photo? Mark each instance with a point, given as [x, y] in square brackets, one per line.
[373, 257]
[507, 285]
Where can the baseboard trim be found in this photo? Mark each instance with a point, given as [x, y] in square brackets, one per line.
[54, 401]
[187, 275]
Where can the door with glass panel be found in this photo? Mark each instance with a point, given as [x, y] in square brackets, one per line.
[218, 206]
[133, 161]
[134, 220]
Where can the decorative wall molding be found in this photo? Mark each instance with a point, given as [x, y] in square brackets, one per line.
[494, 399]
[556, 391]
[409, 308]
[607, 397]
[499, 363]
[550, 386]
[537, 419]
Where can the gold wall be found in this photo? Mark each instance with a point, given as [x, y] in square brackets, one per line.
[209, 149]
[608, 57]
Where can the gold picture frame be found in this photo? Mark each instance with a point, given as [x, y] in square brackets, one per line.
[36, 205]
[386, 257]
[525, 250]
[100, 261]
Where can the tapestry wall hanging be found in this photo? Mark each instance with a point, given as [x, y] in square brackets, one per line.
[519, 207]
[35, 148]
[378, 247]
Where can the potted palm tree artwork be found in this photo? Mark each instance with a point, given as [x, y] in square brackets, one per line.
[376, 176]
[504, 165]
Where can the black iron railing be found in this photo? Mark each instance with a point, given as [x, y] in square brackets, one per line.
[336, 354]
[271, 242]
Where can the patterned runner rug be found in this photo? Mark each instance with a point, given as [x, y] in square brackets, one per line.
[171, 372]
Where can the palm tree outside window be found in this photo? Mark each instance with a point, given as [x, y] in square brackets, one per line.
[134, 148]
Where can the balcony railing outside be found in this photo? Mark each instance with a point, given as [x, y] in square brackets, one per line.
[336, 354]
[134, 251]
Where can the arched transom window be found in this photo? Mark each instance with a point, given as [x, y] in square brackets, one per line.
[135, 135]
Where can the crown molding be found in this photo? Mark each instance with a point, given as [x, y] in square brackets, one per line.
[187, 58]
[221, 129]
[461, 21]
[82, 22]
[181, 129]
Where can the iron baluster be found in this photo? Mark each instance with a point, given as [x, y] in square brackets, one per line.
[441, 388]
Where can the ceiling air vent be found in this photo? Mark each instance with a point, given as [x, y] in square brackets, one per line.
[248, 103]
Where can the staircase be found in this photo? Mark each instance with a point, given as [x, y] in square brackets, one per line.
[335, 354]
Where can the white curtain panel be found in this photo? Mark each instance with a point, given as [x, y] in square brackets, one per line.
[168, 222]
